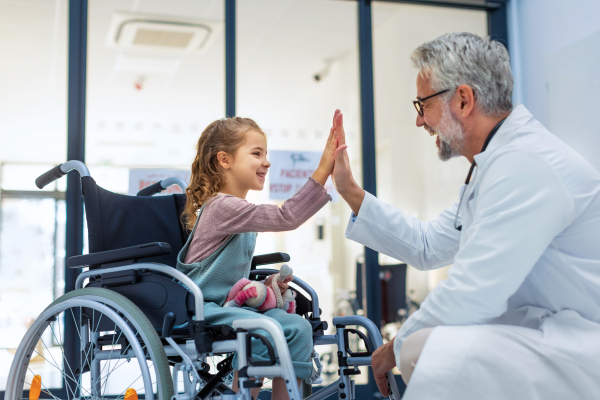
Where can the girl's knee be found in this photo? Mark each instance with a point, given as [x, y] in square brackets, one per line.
[300, 326]
[305, 328]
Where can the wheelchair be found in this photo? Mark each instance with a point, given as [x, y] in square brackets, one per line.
[139, 322]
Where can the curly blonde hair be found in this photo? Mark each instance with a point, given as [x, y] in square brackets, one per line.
[227, 135]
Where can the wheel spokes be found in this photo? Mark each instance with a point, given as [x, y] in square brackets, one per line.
[56, 365]
[79, 381]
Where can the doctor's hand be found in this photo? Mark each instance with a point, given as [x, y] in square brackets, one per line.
[342, 174]
[382, 361]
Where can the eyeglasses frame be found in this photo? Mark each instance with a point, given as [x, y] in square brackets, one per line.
[419, 107]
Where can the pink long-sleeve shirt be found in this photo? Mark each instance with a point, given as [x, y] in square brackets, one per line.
[225, 215]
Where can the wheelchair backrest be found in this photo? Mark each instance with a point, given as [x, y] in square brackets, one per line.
[116, 221]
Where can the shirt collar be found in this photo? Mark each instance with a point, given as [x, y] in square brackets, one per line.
[517, 118]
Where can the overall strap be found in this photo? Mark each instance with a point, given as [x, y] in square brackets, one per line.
[189, 239]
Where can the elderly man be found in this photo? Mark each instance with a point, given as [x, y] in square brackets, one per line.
[519, 315]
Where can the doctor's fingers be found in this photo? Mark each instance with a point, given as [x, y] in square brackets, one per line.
[382, 384]
[339, 128]
[336, 112]
[332, 130]
[340, 153]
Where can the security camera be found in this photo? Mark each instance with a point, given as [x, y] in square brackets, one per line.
[320, 75]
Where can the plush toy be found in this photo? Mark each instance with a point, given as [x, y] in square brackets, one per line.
[257, 295]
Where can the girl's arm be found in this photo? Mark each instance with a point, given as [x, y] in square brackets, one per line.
[228, 214]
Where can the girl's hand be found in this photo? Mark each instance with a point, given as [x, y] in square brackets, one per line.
[283, 286]
[325, 167]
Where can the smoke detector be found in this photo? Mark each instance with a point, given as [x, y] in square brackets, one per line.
[160, 34]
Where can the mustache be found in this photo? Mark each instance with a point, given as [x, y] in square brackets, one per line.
[430, 130]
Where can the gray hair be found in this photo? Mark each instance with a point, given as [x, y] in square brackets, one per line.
[458, 59]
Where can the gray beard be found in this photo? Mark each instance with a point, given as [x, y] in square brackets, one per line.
[451, 136]
[445, 152]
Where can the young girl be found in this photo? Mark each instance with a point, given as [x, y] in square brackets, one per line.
[231, 160]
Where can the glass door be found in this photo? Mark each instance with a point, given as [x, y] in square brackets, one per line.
[409, 174]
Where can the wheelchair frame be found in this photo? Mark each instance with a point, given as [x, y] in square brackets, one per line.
[193, 358]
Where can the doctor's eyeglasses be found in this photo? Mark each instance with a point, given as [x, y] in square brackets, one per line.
[419, 106]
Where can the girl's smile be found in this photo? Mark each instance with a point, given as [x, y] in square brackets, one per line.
[247, 169]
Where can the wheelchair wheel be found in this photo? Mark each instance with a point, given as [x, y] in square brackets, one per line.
[120, 351]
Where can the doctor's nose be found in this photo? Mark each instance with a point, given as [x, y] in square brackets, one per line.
[420, 120]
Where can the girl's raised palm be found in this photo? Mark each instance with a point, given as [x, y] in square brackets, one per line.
[325, 167]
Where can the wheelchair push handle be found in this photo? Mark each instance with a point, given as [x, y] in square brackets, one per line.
[150, 190]
[60, 171]
[49, 177]
[163, 185]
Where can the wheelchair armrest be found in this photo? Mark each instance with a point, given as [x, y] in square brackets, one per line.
[314, 298]
[271, 258]
[124, 254]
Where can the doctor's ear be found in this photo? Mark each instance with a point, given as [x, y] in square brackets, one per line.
[466, 97]
[225, 160]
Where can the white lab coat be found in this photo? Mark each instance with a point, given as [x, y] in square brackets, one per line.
[519, 315]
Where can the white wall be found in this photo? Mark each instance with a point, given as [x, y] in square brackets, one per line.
[555, 52]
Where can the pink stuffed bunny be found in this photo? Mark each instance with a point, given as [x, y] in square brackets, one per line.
[257, 295]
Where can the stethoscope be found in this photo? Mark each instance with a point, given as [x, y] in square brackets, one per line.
[473, 164]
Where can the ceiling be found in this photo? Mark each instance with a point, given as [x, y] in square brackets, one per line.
[281, 45]
[148, 109]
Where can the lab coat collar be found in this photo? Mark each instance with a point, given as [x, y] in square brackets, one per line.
[517, 118]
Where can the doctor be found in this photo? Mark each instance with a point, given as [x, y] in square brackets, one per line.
[519, 315]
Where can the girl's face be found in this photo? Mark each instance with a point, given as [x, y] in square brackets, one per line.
[250, 164]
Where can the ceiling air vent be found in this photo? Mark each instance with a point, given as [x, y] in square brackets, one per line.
[153, 33]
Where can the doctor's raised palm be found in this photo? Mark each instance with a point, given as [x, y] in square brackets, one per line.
[342, 174]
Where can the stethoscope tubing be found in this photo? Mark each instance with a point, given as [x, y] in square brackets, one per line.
[488, 139]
